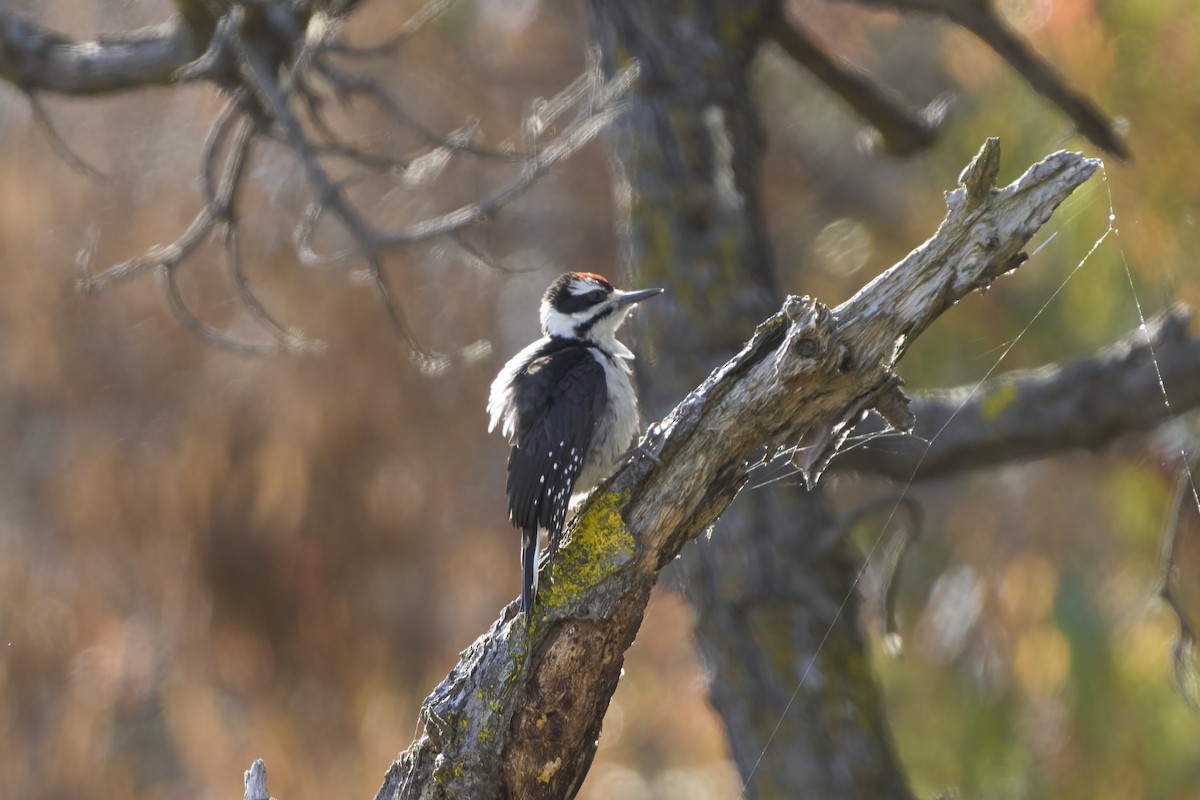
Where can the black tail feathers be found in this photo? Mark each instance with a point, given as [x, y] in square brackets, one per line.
[529, 573]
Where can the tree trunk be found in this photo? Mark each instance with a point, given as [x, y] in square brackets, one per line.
[773, 591]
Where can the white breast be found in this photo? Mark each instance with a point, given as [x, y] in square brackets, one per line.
[615, 432]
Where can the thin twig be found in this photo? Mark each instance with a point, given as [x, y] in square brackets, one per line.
[259, 77]
[980, 18]
[201, 330]
[214, 63]
[287, 338]
[220, 213]
[230, 114]
[429, 12]
[888, 566]
[349, 85]
[159, 256]
[577, 134]
[290, 339]
[262, 105]
[481, 258]
[306, 228]
[1183, 648]
[217, 215]
[59, 144]
[904, 132]
[585, 86]
[221, 205]
[261, 81]
[360, 155]
[571, 140]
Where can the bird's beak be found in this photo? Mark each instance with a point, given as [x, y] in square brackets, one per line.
[629, 298]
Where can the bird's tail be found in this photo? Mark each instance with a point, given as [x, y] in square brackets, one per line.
[529, 571]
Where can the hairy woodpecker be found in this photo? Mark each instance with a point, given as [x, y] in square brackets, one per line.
[566, 405]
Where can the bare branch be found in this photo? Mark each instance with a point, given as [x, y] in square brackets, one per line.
[289, 339]
[214, 64]
[348, 86]
[60, 146]
[233, 258]
[979, 17]
[222, 206]
[33, 57]
[903, 131]
[211, 336]
[305, 230]
[888, 567]
[230, 114]
[217, 217]
[1183, 649]
[430, 362]
[168, 256]
[1028, 414]
[360, 155]
[265, 66]
[413, 25]
[575, 136]
[480, 258]
[587, 92]
[258, 76]
[218, 210]
[568, 143]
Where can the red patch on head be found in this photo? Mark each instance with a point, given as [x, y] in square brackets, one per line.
[591, 275]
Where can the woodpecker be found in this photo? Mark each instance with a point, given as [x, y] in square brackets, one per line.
[566, 405]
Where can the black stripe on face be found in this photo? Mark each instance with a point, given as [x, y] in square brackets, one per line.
[582, 329]
[561, 298]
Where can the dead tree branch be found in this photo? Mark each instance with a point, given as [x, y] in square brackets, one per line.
[60, 145]
[520, 714]
[273, 59]
[902, 131]
[980, 18]
[255, 781]
[34, 58]
[1030, 414]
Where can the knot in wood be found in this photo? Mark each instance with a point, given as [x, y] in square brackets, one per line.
[804, 348]
[809, 339]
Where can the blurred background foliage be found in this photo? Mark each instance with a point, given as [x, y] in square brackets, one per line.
[207, 558]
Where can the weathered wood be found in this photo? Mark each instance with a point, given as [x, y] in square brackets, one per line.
[35, 58]
[1035, 413]
[520, 714]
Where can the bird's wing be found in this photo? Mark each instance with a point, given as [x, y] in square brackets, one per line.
[553, 436]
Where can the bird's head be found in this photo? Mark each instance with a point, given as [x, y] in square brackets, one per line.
[583, 305]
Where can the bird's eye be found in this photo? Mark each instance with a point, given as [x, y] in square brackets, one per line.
[597, 295]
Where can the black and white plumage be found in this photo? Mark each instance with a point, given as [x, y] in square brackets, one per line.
[567, 406]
